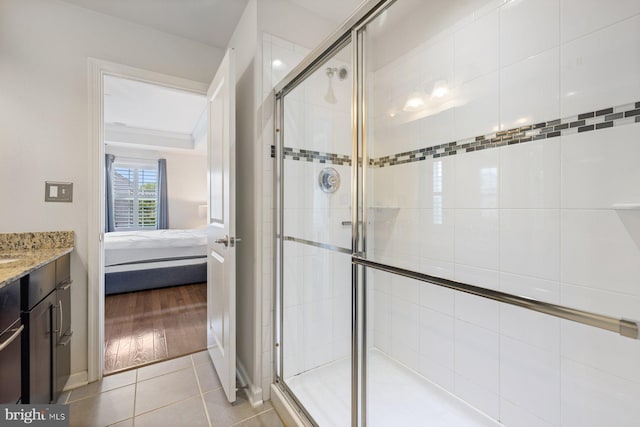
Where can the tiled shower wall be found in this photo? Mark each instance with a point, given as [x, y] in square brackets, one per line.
[316, 281]
[555, 216]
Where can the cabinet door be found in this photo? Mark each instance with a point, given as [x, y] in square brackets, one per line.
[41, 332]
[62, 338]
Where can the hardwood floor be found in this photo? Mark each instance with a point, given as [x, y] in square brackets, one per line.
[157, 324]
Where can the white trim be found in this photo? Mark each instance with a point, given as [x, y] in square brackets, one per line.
[76, 380]
[285, 410]
[156, 139]
[254, 392]
[199, 133]
[95, 293]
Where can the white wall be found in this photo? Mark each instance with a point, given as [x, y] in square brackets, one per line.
[186, 188]
[44, 46]
[254, 176]
[534, 219]
[248, 343]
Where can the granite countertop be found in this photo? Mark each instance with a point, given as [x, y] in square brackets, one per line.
[29, 251]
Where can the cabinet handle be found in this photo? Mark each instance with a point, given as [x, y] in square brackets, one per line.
[61, 317]
[67, 339]
[65, 285]
[13, 336]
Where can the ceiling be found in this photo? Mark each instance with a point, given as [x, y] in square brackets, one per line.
[166, 116]
[207, 21]
[148, 106]
[333, 10]
[136, 111]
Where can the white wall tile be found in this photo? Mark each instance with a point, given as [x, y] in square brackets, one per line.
[599, 252]
[530, 242]
[489, 279]
[437, 298]
[602, 350]
[437, 337]
[437, 178]
[476, 48]
[436, 128]
[477, 355]
[533, 328]
[436, 233]
[292, 341]
[409, 187]
[601, 69]
[515, 416]
[528, 27]
[600, 168]
[405, 289]
[292, 270]
[477, 176]
[530, 175]
[382, 321]
[437, 268]
[530, 90]
[530, 378]
[478, 311]
[484, 400]
[436, 373]
[591, 398]
[477, 238]
[478, 111]
[580, 17]
[405, 323]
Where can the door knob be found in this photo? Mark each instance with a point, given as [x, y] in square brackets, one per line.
[224, 241]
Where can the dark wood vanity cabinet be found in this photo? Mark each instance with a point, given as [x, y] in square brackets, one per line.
[45, 300]
[63, 333]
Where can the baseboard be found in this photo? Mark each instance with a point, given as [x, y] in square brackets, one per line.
[289, 416]
[254, 393]
[77, 380]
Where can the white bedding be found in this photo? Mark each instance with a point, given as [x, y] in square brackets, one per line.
[122, 247]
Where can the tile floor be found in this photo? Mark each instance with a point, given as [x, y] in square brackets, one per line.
[175, 393]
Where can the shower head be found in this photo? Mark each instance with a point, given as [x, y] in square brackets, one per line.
[341, 72]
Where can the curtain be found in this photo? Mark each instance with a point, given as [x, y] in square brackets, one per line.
[108, 194]
[163, 202]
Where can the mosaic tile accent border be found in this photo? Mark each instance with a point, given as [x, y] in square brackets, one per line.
[594, 120]
[586, 122]
[315, 156]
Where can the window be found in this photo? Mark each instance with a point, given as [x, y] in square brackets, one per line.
[135, 196]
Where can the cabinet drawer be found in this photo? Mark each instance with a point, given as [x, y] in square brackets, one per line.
[9, 304]
[63, 269]
[38, 285]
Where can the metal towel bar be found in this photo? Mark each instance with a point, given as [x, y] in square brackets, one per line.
[625, 327]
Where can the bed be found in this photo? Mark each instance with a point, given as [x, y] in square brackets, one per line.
[148, 259]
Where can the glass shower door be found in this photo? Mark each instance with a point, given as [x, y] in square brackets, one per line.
[316, 241]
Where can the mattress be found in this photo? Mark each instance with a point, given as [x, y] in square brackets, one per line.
[127, 247]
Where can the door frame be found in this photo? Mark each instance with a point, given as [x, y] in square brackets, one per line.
[97, 69]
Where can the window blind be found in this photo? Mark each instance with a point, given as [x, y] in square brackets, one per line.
[135, 197]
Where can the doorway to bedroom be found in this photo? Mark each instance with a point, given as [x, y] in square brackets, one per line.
[155, 299]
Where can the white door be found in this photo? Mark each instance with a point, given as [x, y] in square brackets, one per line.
[221, 229]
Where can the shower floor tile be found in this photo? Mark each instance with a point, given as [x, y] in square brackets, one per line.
[397, 396]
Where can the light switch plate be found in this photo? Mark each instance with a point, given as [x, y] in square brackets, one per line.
[58, 191]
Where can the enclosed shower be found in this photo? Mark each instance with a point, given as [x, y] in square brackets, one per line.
[458, 217]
